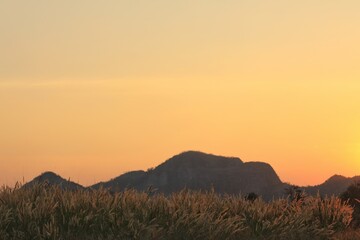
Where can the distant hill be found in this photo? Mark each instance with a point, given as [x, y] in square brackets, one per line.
[53, 179]
[200, 171]
[335, 185]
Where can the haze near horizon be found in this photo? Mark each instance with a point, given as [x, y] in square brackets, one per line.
[93, 89]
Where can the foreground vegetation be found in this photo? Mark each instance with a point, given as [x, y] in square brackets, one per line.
[51, 213]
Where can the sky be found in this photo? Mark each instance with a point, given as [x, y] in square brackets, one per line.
[92, 89]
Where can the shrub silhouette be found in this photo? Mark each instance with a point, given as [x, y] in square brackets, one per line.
[295, 193]
[251, 197]
[352, 195]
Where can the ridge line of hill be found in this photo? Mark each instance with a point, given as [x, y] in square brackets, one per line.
[201, 171]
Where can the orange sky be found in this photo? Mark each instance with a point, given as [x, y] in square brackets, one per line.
[93, 89]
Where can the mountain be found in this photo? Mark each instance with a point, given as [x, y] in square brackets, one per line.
[335, 185]
[53, 179]
[201, 171]
[126, 180]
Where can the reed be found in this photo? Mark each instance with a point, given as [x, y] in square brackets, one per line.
[44, 212]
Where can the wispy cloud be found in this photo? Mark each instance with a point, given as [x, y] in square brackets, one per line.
[56, 83]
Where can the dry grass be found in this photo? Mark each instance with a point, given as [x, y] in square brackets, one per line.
[51, 213]
[351, 234]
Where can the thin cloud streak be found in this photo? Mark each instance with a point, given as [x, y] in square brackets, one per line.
[57, 83]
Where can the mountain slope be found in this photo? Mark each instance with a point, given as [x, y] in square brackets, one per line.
[53, 179]
[200, 171]
[335, 185]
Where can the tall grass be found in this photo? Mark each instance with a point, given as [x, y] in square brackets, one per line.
[51, 213]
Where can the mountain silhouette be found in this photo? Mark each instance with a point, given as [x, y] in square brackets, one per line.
[200, 171]
[335, 185]
[53, 179]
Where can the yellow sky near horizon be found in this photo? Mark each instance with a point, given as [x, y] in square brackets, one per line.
[93, 89]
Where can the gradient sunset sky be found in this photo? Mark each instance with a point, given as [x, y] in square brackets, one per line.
[92, 89]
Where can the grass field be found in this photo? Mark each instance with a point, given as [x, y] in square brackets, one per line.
[51, 213]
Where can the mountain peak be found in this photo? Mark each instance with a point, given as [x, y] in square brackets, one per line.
[336, 184]
[201, 171]
[53, 179]
[196, 159]
[48, 175]
[199, 154]
[336, 177]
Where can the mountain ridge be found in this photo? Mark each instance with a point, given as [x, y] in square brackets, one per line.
[334, 185]
[201, 171]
